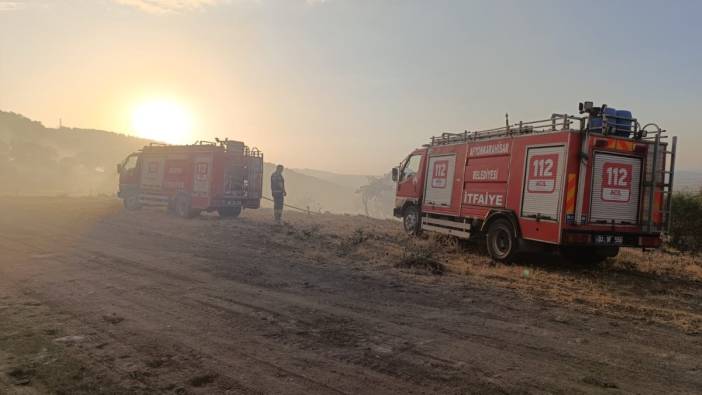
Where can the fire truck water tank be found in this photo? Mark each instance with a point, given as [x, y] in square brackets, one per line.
[596, 122]
[624, 121]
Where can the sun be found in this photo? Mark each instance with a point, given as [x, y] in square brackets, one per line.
[162, 120]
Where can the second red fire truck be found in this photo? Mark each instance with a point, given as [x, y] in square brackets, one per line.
[585, 185]
[224, 176]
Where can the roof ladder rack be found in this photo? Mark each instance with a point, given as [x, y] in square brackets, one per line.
[556, 123]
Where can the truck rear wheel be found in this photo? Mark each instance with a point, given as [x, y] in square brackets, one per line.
[229, 212]
[501, 241]
[410, 220]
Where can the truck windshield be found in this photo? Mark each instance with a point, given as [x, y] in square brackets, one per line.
[411, 167]
[130, 163]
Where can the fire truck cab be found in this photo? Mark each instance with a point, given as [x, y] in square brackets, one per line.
[585, 185]
[224, 176]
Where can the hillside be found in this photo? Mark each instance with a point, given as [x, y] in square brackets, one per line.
[352, 181]
[319, 195]
[36, 160]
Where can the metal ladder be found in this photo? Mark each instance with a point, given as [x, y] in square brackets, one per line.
[658, 178]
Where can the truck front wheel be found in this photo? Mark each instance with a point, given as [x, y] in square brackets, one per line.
[501, 241]
[410, 220]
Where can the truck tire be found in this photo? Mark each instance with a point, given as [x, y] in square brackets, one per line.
[183, 207]
[229, 212]
[501, 242]
[131, 202]
[410, 220]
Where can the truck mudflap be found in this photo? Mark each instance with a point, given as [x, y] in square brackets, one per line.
[609, 238]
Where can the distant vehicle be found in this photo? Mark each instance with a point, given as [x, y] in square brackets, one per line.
[224, 176]
[585, 185]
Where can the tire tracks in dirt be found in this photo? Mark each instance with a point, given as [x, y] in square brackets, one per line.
[251, 314]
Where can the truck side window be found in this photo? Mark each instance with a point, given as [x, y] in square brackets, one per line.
[411, 167]
[130, 163]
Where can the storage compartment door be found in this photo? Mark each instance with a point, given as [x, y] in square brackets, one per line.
[255, 178]
[616, 187]
[543, 182]
[202, 175]
[439, 184]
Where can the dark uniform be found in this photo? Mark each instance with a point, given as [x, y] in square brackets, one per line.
[278, 192]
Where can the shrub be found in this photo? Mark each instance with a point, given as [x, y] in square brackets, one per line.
[686, 226]
[358, 237]
[421, 258]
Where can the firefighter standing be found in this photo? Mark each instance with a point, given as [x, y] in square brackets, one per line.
[278, 191]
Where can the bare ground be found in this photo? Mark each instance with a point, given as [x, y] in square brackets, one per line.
[94, 299]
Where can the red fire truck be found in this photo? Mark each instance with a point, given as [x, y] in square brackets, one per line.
[223, 176]
[585, 185]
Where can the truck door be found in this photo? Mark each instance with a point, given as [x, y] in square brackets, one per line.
[409, 184]
[129, 174]
[439, 186]
[152, 171]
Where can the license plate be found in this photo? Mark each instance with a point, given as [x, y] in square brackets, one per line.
[609, 240]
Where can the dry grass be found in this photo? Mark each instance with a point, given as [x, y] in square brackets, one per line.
[420, 258]
[652, 287]
[661, 286]
[667, 263]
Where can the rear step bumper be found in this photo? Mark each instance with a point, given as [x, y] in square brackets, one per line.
[611, 238]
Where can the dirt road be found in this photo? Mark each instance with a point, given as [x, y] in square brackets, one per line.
[96, 299]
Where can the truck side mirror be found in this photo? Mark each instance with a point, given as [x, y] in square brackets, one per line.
[119, 168]
[394, 174]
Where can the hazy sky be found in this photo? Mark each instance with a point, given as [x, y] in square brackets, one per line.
[350, 86]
